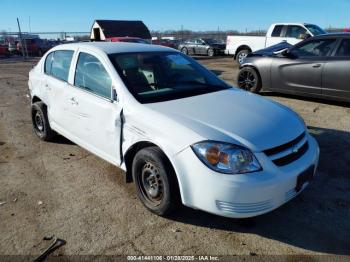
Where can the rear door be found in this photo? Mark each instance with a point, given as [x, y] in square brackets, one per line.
[57, 67]
[302, 70]
[336, 74]
[94, 116]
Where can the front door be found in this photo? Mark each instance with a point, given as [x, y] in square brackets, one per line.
[301, 70]
[95, 116]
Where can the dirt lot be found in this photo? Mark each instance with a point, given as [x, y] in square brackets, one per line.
[61, 189]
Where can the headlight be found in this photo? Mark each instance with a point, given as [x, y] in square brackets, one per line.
[226, 158]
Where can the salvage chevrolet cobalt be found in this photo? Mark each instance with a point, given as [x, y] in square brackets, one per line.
[180, 133]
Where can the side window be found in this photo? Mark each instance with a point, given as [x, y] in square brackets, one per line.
[344, 48]
[277, 31]
[92, 76]
[314, 48]
[61, 64]
[294, 31]
[48, 63]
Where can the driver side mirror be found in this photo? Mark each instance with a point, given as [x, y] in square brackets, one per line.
[288, 53]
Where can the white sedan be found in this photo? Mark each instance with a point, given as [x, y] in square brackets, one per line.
[180, 133]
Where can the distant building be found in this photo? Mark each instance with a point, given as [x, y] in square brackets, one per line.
[102, 30]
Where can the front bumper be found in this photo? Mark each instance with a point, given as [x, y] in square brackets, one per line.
[245, 195]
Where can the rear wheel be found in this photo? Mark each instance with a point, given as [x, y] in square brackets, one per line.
[184, 51]
[155, 181]
[211, 52]
[41, 123]
[242, 55]
[249, 79]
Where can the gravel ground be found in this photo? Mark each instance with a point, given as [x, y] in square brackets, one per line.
[60, 189]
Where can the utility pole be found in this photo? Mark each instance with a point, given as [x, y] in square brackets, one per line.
[30, 28]
[23, 42]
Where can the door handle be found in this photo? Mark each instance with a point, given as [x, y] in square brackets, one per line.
[316, 65]
[73, 101]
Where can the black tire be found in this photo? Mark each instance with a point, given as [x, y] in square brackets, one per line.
[242, 55]
[184, 50]
[155, 181]
[41, 123]
[40, 53]
[249, 80]
[211, 52]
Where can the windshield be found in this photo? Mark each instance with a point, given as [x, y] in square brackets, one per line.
[315, 30]
[163, 76]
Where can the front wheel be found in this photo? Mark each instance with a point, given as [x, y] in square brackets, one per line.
[184, 51]
[249, 80]
[155, 181]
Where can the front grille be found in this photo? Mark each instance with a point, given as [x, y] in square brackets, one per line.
[287, 153]
[278, 149]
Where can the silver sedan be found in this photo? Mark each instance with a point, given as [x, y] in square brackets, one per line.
[316, 67]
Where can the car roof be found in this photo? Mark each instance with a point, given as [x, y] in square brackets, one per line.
[116, 47]
[332, 35]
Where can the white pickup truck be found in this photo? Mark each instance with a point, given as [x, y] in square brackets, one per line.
[241, 46]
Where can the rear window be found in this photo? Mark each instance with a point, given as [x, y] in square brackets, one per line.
[277, 31]
[48, 64]
[344, 48]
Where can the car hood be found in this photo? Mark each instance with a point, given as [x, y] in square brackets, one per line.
[234, 116]
[270, 51]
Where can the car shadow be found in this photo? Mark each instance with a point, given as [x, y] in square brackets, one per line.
[317, 220]
[62, 140]
[305, 98]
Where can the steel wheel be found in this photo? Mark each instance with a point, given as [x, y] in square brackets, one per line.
[155, 181]
[151, 184]
[38, 122]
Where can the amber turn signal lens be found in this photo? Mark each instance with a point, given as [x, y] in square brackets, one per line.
[213, 155]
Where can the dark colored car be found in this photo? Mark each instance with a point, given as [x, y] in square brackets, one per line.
[317, 67]
[35, 46]
[202, 46]
[271, 50]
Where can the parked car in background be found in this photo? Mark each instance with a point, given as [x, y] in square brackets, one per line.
[35, 46]
[293, 33]
[4, 51]
[316, 67]
[128, 40]
[202, 46]
[12, 46]
[166, 42]
[183, 134]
